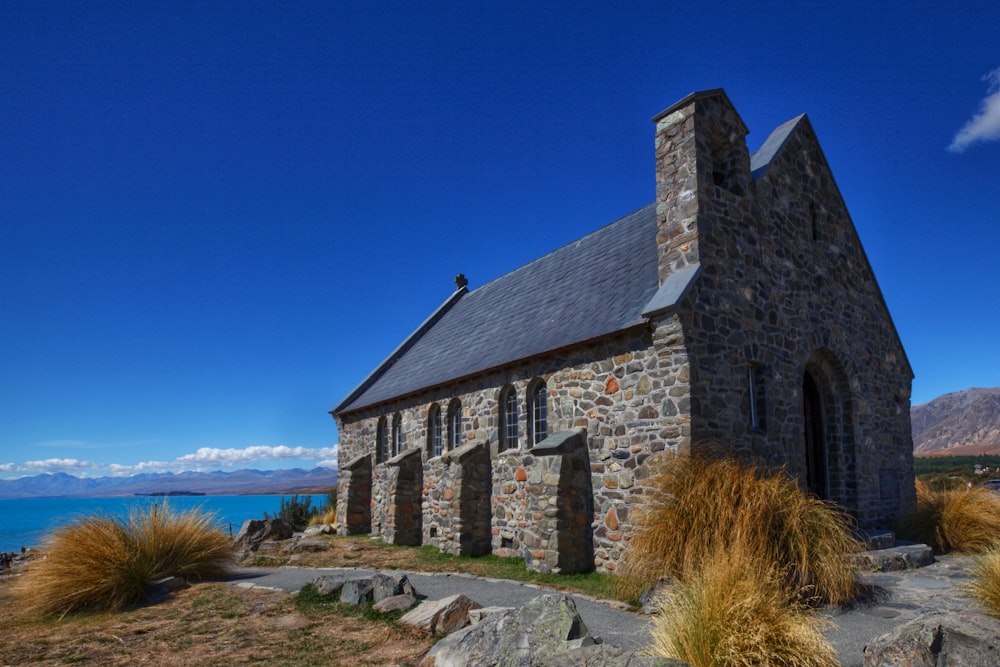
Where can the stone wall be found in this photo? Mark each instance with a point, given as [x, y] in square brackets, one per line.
[406, 484]
[629, 396]
[559, 534]
[784, 297]
[456, 506]
[785, 288]
[354, 496]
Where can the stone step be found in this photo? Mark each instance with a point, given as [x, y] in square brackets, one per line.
[903, 556]
[878, 539]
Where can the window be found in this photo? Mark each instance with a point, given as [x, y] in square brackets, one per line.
[537, 412]
[397, 435]
[755, 387]
[455, 424]
[435, 442]
[507, 432]
[380, 441]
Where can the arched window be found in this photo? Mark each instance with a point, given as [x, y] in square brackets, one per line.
[507, 411]
[397, 434]
[435, 440]
[455, 424]
[381, 441]
[538, 412]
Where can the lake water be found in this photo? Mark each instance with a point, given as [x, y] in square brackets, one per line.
[25, 522]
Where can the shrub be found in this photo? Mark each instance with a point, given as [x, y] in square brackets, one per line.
[700, 506]
[966, 519]
[985, 585]
[735, 612]
[104, 563]
[295, 511]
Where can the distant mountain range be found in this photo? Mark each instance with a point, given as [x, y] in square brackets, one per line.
[962, 423]
[237, 482]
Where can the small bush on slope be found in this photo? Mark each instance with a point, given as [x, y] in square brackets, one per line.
[954, 520]
[104, 563]
[700, 507]
[985, 584]
[734, 612]
[295, 511]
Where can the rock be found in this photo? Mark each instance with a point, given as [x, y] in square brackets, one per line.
[605, 655]
[442, 617]
[905, 557]
[546, 626]
[307, 544]
[652, 598]
[938, 638]
[255, 531]
[160, 589]
[357, 591]
[389, 585]
[476, 615]
[329, 584]
[394, 603]
[322, 529]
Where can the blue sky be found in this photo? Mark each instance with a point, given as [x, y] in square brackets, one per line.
[217, 218]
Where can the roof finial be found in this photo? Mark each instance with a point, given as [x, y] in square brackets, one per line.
[461, 281]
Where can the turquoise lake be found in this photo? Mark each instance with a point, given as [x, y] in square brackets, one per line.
[25, 522]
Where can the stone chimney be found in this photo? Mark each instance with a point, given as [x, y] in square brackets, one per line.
[702, 171]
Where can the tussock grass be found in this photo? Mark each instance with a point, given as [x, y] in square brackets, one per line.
[329, 515]
[103, 563]
[701, 508]
[966, 519]
[985, 585]
[734, 612]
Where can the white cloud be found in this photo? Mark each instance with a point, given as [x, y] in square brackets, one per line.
[985, 125]
[232, 457]
[205, 458]
[60, 464]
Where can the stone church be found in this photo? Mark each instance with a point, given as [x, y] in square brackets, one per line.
[738, 310]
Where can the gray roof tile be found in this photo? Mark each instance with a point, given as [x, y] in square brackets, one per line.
[592, 287]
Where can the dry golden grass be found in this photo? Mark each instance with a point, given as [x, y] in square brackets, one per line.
[966, 519]
[985, 585]
[702, 507]
[105, 563]
[327, 516]
[208, 624]
[735, 612]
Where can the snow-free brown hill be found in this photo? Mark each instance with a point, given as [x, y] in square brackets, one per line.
[958, 424]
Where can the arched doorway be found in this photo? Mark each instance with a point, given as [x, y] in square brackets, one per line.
[814, 436]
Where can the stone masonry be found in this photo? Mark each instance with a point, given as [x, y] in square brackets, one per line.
[775, 344]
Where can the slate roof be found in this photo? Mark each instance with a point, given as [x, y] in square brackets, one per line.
[600, 284]
[592, 287]
[761, 159]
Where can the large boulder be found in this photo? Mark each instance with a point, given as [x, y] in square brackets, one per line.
[357, 592]
[394, 603]
[387, 585]
[441, 617]
[938, 638]
[255, 531]
[329, 584]
[545, 626]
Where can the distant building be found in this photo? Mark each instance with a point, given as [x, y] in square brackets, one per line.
[738, 310]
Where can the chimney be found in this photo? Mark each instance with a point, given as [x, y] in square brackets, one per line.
[702, 166]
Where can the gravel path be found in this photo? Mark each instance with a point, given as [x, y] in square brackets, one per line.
[902, 597]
